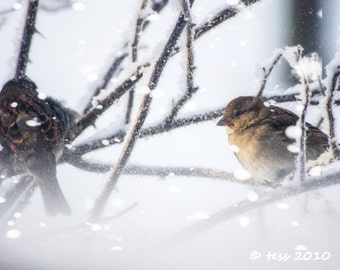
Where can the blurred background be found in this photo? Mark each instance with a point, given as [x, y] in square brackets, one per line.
[76, 44]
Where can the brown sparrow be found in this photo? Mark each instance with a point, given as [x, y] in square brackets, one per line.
[259, 135]
[32, 133]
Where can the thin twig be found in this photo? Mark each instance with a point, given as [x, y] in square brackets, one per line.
[26, 40]
[134, 52]
[104, 104]
[227, 13]
[302, 143]
[139, 121]
[205, 27]
[191, 89]
[157, 6]
[118, 137]
[268, 71]
[301, 165]
[164, 171]
[16, 198]
[329, 107]
[312, 183]
[107, 77]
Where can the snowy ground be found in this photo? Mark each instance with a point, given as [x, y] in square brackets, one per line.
[76, 47]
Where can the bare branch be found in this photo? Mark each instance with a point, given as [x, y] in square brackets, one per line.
[118, 137]
[17, 198]
[302, 140]
[312, 183]
[139, 121]
[329, 107]
[104, 104]
[220, 17]
[26, 38]
[163, 171]
[134, 52]
[107, 77]
[157, 6]
[268, 71]
[191, 89]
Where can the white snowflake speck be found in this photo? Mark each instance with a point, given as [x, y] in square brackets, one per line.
[2, 199]
[315, 171]
[105, 142]
[13, 234]
[33, 122]
[17, 6]
[78, 6]
[117, 140]
[295, 223]
[293, 148]
[301, 247]
[244, 221]
[10, 223]
[283, 206]
[14, 104]
[252, 196]
[42, 96]
[293, 132]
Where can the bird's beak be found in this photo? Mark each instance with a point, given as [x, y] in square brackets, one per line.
[224, 121]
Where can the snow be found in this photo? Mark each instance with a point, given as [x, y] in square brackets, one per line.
[162, 205]
[78, 6]
[293, 132]
[2, 199]
[34, 122]
[13, 234]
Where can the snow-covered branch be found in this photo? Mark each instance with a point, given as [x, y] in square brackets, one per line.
[163, 171]
[135, 130]
[118, 136]
[329, 107]
[221, 16]
[103, 104]
[191, 89]
[134, 53]
[312, 183]
[268, 70]
[26, 39]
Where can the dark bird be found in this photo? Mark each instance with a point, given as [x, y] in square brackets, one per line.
[32, 133]
[264, 138]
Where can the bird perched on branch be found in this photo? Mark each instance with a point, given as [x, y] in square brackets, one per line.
[32, 133]
[263, 138]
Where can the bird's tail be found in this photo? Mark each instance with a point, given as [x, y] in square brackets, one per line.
[43, 166]
[53, 198]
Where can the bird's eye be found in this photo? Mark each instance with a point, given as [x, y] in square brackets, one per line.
[238, 113]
